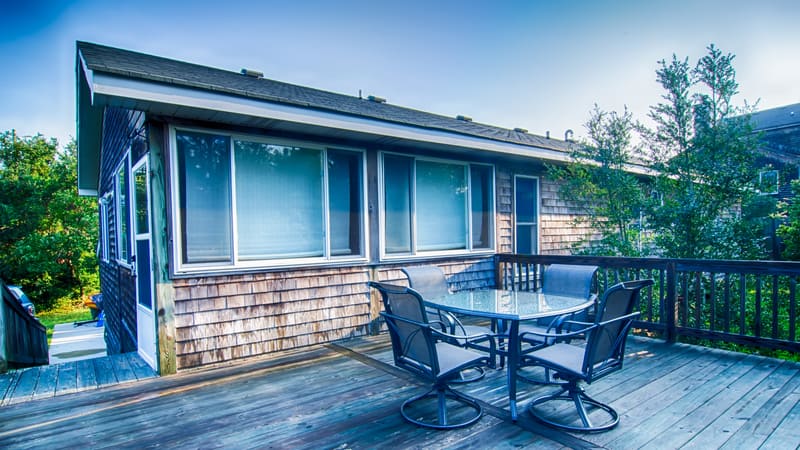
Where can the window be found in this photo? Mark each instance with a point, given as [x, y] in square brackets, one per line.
[245, 202]
[526, 214]
[123, 213]
[768, 182]
[104, 238]
[434, 206]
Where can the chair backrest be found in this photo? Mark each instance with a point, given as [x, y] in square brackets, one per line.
[413, 344]
[568, 279]
[605, 343]
[429, 281]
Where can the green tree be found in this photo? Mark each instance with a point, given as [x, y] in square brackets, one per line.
[47, 232]
[789, 230]
[703, 149]
[598, 182]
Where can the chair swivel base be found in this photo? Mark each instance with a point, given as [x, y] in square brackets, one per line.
[578, 398]
[467, 408]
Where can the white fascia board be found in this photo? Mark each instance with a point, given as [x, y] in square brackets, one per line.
[114, 86]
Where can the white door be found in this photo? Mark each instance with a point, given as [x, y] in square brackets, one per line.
[145, 319]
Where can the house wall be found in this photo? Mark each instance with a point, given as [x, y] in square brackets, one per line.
[122, 131]
[229, 316]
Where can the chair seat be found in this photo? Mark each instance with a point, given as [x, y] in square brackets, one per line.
[453, 358]
[565, 359]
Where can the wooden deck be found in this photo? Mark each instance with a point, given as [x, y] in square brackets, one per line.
[347, 395]
[66, 378]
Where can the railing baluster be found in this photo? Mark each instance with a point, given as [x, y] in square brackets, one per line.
[698, 300]
[742, 304]
[713, 301]
[775, 305]
[682, 294]
[792, 308]
[727, 302]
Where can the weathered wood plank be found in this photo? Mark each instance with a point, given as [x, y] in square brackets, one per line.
[746, 407]
[25, 386]
[85, 377]
[67, 379]
[7, 382]
[104, 371]
[331, 397]
[693, 422]
[666, 408]
[46, 384]
[768, 418]
[140, 368]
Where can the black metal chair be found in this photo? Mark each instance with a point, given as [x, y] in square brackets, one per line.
[420, 348]
[431, 282]
[559, 279]
[603, 354]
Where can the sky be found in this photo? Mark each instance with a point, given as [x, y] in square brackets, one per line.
[538, 65]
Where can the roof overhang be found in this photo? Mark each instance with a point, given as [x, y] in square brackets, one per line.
[99, 89]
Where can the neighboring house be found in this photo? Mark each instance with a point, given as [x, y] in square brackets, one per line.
[780, 148]
[779, 158]
[241, 216]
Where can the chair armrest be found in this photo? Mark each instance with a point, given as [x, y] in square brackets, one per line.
[559, 335]
[472, 337]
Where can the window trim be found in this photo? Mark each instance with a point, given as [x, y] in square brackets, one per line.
[126, 165]
[538, 212]
[103, 203]
[234, 265]
[415, 253]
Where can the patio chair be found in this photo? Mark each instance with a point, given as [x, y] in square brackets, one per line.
[603, 354]
[421, 348]
[431, 282]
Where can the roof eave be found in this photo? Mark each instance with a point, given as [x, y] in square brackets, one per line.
[89, 120]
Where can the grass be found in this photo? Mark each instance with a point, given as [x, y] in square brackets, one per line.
[67, 311]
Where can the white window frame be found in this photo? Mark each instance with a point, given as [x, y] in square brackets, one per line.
[538, 248]
[326, 259]
[126, 164]
[416, 254]
[105, 200]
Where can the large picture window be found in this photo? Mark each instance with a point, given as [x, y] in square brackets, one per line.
[432, 206]
[247, 202]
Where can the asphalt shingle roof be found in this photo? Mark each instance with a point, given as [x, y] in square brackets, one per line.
[163, 70]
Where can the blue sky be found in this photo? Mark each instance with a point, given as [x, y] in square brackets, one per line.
[531, 64]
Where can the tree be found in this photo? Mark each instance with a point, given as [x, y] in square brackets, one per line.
[789, 230]
[597, 181]
[47, 232]
[703, 149]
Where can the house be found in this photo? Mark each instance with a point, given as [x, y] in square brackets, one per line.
[779, 130]
[779, 160]
[241, 215]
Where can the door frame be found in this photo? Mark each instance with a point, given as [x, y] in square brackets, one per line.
[146, 319]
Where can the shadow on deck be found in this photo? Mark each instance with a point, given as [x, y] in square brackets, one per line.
[347, 395]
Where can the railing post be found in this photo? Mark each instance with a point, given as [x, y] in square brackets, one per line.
[671, 303]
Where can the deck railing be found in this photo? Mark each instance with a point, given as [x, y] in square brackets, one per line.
[752, 303]
[23, 339]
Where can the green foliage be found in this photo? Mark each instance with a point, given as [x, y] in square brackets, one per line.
[789, 230]
[704, 151]
[597, 182]
[47, 232]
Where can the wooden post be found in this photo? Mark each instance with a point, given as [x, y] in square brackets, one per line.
[671, 306]
[164, 290]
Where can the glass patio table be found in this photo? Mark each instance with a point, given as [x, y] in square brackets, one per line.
[509, 307]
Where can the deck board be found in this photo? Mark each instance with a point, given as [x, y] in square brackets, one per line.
[347, 395]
